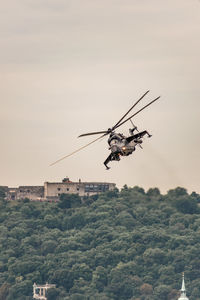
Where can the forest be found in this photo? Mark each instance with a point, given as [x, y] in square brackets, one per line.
[127, 244]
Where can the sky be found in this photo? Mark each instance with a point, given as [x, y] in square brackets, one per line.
[71, 67]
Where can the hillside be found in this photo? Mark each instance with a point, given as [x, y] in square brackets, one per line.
[119, 245]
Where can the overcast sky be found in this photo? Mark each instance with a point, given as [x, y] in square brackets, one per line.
[69, 67]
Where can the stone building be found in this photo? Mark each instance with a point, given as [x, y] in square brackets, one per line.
[51, 191]
[22, 192]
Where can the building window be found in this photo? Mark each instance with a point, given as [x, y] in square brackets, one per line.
[96, 188]
[58, 194]
[77, 189]
[58, 189]
[89, 188]
[67, 189]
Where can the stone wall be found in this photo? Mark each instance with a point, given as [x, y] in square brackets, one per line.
[34, 193]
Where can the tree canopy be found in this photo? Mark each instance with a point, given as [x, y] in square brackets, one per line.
[127, 244]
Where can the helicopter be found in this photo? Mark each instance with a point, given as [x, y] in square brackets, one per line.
[119, 144]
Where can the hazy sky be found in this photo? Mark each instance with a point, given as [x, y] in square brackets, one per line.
[69, 67]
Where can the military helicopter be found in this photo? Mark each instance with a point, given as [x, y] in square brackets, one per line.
[119, 144]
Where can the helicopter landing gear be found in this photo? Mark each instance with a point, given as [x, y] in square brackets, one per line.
[112, 156]
[108, 159]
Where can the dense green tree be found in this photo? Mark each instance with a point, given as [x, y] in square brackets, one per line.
[4, 290]
[195, 196]
[124, 244]
[173, 295]
[2, 192]
[186, 205]
[161, 292]
[52, 294]
[48, 246]
[63, 277]
[146, 289]
[77, 296]
[177, 192]
[99, 279]
[69, 200]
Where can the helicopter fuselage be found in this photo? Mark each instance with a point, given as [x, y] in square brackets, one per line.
[119, 145]
[122, 147]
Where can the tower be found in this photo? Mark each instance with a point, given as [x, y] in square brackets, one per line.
[183, 290]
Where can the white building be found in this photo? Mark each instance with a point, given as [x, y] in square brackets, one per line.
[40, 291]
[53, 190]
[183, 290]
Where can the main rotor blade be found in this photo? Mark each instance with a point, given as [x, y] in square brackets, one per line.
[92, 133]
[137, 112]
[77, 150]
[116, 125]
